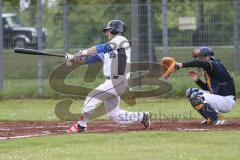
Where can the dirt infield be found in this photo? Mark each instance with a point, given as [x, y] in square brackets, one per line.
[23, 129]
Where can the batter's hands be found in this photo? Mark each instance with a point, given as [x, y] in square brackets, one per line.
[193, 74]
[69, 59]
[78, 55]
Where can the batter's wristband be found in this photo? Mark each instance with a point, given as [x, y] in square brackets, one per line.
[84, 52]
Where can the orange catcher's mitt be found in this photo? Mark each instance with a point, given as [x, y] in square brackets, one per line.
[168, 67]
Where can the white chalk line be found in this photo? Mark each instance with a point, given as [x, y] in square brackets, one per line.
[37, 127]
[24, 136]
[193, 129]
[5, 129]
[44, 133]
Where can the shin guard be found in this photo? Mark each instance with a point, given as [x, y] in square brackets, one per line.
[205, 109]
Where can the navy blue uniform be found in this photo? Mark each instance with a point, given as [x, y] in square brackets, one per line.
[218, 80]
[217, 94]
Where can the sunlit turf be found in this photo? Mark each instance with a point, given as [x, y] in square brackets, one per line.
[126, 146]
[44, 109]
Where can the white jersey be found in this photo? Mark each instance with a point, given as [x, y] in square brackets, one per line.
[117, 62]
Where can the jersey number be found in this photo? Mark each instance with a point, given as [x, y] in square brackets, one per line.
[112, 54]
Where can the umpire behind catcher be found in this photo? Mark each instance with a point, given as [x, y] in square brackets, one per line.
[217, 94]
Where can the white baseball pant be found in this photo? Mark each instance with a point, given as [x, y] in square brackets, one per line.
[109, 93]
[221, 104]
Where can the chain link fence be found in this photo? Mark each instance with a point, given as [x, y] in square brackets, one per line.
[189, 24]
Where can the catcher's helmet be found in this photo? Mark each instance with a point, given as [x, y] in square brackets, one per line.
[203, 51]
[115, 27]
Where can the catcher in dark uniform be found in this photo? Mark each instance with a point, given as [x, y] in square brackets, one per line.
[217, 93]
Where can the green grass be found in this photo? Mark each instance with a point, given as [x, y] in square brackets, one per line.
[20, 73]
[28, 88]
[126, 146]
[43, 109]
[20, 66]
[25, 66]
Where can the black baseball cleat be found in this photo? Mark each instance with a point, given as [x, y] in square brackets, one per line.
[146, 121]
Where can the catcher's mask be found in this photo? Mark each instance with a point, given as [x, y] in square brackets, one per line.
[203, 52]
[115, 27]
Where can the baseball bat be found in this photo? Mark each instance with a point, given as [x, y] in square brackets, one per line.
[36, 52]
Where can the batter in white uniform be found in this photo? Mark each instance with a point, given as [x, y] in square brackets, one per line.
[115, 56]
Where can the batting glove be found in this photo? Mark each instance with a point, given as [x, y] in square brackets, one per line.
[78, 55]
[69, 57]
